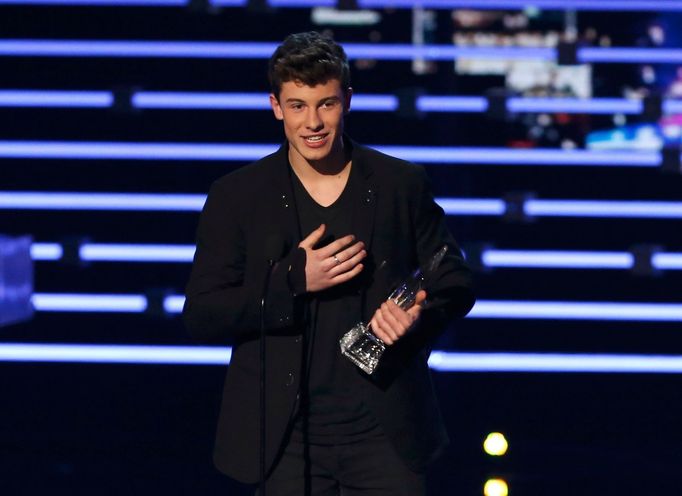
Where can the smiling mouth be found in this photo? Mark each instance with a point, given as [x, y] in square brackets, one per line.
[315, 139]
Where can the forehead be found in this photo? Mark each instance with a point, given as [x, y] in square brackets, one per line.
[297, 90]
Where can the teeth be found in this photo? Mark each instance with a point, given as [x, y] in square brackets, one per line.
[315, 138]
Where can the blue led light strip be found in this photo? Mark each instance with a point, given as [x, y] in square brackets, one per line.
[253, 50]
[263, 50]
[55, 98]
[34, 200]
[595, 5]
[360, 102]
[441, 361]
[484, 309]
[105, 3]
[78, 150]
[542, 259]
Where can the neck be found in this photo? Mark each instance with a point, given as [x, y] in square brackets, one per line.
[336, 164]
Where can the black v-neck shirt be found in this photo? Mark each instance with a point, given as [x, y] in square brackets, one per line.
[331, 408]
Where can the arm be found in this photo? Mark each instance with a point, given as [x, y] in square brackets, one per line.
[220, 305]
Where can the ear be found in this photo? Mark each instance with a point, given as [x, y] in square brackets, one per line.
[346, 103]
[276, 108]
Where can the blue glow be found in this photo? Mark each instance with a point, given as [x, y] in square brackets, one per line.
[590, 55]
[441, 361]
[99, 3]
[255, 50]
[472, 206]
[557, 259]
[177, 100]
[91, 252]
[605, 5]
[174, 303]
[554, 362]
[575, 105]
[515, 156]
[53, 98]
[138, 354]
[46, 251]
[21, 200]
[250, 152]
[133, 151]
[571, 310]
[604, 208]
[45, 302]
[243, 101]
[672, 106]
[667, 261]
[451, 104]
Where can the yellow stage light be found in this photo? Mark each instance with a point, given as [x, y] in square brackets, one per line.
[495, 487]
[495, 444]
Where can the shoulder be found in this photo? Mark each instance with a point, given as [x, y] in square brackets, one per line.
[388, 167]
[249, 176]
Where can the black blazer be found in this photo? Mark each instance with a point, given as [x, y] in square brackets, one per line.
[250, 210]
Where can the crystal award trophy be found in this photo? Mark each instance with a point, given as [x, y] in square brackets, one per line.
[360, 344]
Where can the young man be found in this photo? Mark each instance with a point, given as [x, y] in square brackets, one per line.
[344, 224]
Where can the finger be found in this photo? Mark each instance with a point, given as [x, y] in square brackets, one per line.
[313, 238]
[348, 264]
[379, 332]
[420, 298]
[346, 276]
[396, 316]
[336, 246]
[385, 325]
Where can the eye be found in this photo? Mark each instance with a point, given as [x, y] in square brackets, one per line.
[296, 106]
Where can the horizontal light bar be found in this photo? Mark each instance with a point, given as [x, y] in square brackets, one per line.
[263, 50]
[254, 50]
[576, 105]
[667, 261]
[101, 3]
[54, 98]
[603, 208]
[451, 104]
[33, 200]
[517, 156]
[554, 362]
[91, 252]
[243, 101]
[441, 361]
[621, 55]
[46, 251]
[46, 302]
[483, 309]
[133, 151]
[375, 103]
[472, 206]
[249, 152]
[550, 259]
[594, 5]
[557, 259]
[568, 310]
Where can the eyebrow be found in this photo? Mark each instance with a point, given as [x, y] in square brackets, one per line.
[325, 99]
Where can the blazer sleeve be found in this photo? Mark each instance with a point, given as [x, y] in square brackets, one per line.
[222, 301]
[449, 291]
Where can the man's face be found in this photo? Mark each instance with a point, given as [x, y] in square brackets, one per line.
[313, 119]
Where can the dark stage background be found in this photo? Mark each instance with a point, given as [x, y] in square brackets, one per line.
[105, 428]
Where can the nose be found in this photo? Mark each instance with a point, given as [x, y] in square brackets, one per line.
[313, 122]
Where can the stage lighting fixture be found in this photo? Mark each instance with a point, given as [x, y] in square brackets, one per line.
[495, 487]
[495, 444]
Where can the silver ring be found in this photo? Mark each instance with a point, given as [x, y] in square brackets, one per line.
[336, 259]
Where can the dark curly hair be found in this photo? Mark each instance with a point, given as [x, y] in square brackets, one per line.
[310, 58]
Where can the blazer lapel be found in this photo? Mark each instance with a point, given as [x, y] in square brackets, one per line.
[364, 207]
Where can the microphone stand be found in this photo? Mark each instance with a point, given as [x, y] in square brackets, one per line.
[263, 301]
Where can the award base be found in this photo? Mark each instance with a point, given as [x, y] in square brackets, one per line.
[362, 347]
